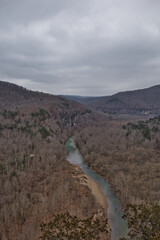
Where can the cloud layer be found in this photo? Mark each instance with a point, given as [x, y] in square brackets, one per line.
[87, 47]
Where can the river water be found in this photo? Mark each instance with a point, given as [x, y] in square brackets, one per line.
[118, 225]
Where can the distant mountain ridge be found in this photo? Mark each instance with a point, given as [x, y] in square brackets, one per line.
[80, 99]
[139, 102]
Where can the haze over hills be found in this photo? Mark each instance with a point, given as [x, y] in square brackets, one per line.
[138, 102]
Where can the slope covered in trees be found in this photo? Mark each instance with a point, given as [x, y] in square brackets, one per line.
[143, 221]
[138, 102]
[127, 156]
[36, 181]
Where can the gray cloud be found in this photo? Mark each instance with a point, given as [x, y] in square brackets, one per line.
[87, 47]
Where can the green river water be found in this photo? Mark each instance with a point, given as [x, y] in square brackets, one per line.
[118, 225]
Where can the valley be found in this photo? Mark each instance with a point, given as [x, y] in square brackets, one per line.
[36, 180]
[114, 212]
[143, 102]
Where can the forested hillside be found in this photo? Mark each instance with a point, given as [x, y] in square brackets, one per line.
[127, 155]
[36, 181]
[144, 102]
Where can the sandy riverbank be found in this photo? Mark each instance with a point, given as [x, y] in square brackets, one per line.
[93, 186]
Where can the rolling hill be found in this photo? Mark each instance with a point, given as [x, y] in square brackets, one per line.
[36, 180]
[138, 102]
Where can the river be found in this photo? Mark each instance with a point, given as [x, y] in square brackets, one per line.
[118, 225]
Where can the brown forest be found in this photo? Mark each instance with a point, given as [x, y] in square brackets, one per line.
[127, 155]
[36, 181]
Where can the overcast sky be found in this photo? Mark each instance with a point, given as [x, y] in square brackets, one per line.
[86, 47]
